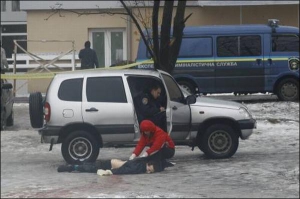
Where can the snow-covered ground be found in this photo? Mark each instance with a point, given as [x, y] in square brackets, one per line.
[265, 166]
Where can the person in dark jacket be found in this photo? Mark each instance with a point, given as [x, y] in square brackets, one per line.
[116, 167]
[149, 105]
[161, 145]
[88, 57]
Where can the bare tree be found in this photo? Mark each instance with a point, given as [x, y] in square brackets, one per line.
[166, 47]
[162, 46]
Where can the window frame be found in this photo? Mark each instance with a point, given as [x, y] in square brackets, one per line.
[77, 86]
[88, 99]
[239, 38]
[282, 34]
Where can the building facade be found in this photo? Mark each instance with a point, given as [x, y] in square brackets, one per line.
[113, 35]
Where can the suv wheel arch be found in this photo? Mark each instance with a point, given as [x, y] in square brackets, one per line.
[228, 128]
[80, 146]
[219, 141]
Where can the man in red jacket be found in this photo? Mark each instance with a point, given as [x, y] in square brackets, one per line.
[160, 143]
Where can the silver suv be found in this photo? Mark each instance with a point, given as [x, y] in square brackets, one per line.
[88, 110]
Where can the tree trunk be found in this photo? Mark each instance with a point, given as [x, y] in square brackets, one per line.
[139, 28]
[179, 24]
[155, 33]
[165, 36]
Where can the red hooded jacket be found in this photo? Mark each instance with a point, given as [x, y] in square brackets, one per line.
[156, 140]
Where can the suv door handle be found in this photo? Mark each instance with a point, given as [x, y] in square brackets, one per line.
[91, 110]
[174, 107]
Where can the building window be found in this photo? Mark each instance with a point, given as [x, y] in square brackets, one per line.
[16, 5]
[3, 6]
[11, 32]
[110, 46]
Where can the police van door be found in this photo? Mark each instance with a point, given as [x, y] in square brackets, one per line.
[283, 59]
[239, 63]
[179, 111]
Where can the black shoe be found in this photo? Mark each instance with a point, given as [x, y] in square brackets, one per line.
[65, 168]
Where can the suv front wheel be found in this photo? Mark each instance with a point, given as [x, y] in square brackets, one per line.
[219, 141]
[80, 146]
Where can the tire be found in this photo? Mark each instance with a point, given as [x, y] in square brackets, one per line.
[80, 146]
[219, 141]
[36, 110]
[288, 90]
[10, 119]
[188, 86]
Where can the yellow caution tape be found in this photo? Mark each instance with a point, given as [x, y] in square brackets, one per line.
[28, 76]
[51, 75]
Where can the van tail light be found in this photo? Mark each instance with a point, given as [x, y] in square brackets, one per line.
[47, 111]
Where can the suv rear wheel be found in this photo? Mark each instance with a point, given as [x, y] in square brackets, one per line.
[36, 110]
[80, 146]
[219, 141]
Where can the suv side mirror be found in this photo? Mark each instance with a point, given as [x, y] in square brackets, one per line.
[6, 86]
[191, 99]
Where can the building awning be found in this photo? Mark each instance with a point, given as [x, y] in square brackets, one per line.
[244, 3]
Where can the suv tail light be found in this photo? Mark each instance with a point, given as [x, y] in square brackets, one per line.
[47, 111]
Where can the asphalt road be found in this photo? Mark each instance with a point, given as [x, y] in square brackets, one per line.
[265, 166]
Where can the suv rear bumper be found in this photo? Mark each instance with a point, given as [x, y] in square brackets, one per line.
[247, 128]
[48, 133]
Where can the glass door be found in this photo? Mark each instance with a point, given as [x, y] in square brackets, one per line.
[99, 47]
[110, 46]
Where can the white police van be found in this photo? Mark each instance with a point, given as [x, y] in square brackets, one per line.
[238, 59]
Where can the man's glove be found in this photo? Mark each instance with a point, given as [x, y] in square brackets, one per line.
[102, 172]
[144, 154]
[132, 156]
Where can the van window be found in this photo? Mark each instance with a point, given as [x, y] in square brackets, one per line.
[233, 46]
[196, 47]
[105, 89]
[192, 47]
[285, 43]
[71, 90]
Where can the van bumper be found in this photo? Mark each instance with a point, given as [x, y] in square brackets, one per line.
[248, 127]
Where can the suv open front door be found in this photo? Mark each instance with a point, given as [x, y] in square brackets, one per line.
[179, 114]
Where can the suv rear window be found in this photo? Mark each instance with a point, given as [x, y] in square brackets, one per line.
[105, 89]
[71, 90]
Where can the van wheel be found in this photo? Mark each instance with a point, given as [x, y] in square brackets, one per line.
[36, 110]
[188, 86]
[288, 90]
[219, 141]
[10, 119]
[79, 147]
